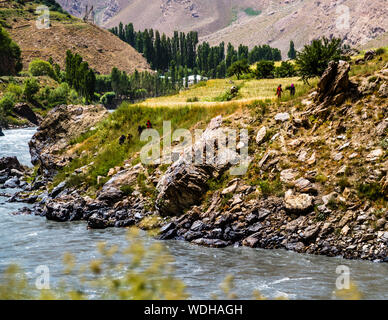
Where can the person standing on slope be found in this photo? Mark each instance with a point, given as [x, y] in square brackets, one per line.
[279, 91]
[292, 90]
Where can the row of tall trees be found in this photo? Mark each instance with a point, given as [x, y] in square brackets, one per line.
[140, 85]
[182, 50]
[79, 76]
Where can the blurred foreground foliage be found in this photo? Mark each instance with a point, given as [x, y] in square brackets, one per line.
[138, 272]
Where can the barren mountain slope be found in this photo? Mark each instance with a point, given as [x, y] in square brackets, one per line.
[101, 49]
[303, 21]
[168, 15]
[250, 22]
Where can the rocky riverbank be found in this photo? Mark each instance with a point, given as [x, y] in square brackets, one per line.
[317, 180]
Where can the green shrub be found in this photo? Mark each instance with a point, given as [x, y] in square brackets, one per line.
[194, 99]
[380, 51]
[265, 69]
[107, 99]
[59, 95]
[285, 70]
[31, 87]
[372, 191]
[7, 103]
[252, 12]
[41, 68]
[16, 90]
[238, 68]
[127, 190]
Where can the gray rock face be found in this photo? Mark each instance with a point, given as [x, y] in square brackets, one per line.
[61, 124]
[24, 110]
[186, 181]
[334, 84]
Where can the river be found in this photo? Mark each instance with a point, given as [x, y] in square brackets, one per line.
[31, 241]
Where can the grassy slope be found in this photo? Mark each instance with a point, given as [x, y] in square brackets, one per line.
[101, 146]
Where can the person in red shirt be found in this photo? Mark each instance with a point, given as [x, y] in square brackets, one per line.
[279, 91]
[149, 125]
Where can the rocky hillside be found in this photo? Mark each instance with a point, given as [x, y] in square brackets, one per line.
[98, 47]
[316, 182]
[273, 22]
[302, 21]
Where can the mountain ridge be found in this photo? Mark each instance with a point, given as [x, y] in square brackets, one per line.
[101, 49]
[250, 22]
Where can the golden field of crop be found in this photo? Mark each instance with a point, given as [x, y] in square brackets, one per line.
[205, 93]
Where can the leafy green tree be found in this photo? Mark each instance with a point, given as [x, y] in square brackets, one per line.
[41, 68]
[31, 87]
[238, 68]
[292, 51]
[107, 99]
[313, 60]
[285, 70]
[10, 55]
[265, 69]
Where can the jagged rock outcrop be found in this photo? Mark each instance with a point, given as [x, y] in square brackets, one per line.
[10, 163]
[186, 180]
[11, 172]
[334, 84]
[24, 111]
[62, 124]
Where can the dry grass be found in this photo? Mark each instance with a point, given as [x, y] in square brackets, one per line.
[250, 90]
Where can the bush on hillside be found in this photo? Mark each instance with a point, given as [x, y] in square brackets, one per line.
[238, 68]
[10, 55]
[41, 68]
[265, 69]
[107, 99]
[16, 90]
[7, 103]
[31, 87]
[59, 95]
[313, 60]
[285, 70]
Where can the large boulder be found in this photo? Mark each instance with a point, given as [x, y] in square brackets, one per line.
[67, 208]
[10, 163]
[59, 127]
[298, 203]
[186, 181]
[334, 84]
[23, 110]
